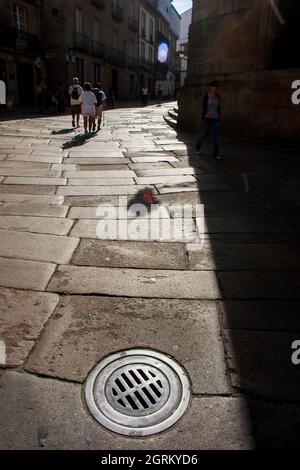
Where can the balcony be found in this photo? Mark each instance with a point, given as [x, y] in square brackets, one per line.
[160, 37]
[81, 42]
[117, 13]
[143, 33]
[133, 24]
[12, 38]
[98, 49]
[153, 3]
[99, 4]
[116, 57]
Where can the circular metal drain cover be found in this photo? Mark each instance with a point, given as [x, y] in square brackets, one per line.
[137, 392]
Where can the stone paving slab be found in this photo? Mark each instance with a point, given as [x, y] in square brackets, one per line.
[97, 161]
[99, 174]
[148, 166]
[31, 199]
[117, 254]
[29, 172]
[167, 172]
[102, 168]
[34, 159]
[165, 179]
[23, 274]
[33, 209]
[260, 284]
[51, 225]
[154, 159]
[188, 330]
[135, 282]
[22, 318]
[261, 315]
[249, 224]
[37, 247]
[38, 181]
[218, 256]
[104, 211]
[260, 364]
[276, 425]
[135, 230]
[26, 189]
[63, 167]
[100, 182]
[9, 164]
[98, 190]
[65, 423]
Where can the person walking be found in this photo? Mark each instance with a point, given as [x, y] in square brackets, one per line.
[211, 116]
[75, 91]
[144, 95]
[111, 98]
[101, 98]
[42, 96]
[159, 93]
[88, 102]
[60, 98]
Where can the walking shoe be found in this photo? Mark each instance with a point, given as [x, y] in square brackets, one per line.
[94, 127]
[73, 123]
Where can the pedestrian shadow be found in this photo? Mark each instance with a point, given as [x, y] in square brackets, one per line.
[63, 131]
[251, 244]
[78, 140]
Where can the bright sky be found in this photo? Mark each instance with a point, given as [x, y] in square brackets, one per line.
[182, 5]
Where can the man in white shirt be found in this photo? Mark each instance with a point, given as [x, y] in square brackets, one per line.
[75, 92]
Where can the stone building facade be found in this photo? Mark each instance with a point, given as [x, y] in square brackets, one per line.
[250, 46]
[112, 41]
[20, 63]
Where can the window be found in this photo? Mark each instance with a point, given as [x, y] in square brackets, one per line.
[131, 8]
[115, 39]
[150, 53]
[78, 21]
[143, 52]
[151, 30]
[143, 24]
[131, 48]
[80, 70]
[96, 31]
[96, 73]
[20, 18]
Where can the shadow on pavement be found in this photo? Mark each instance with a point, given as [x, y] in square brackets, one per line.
[251, 240]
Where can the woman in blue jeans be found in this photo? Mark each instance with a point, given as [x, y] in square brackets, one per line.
[211, 118]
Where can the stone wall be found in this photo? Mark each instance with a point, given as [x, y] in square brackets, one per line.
[238, 42]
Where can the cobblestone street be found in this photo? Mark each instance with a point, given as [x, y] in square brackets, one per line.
[227, 309]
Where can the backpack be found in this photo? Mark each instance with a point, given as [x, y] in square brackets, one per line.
[99, 95]
[75, 93]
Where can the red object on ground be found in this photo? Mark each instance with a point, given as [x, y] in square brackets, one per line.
[150, 198]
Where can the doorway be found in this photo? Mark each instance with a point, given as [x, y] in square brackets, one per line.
[25, 84]
[115, 82]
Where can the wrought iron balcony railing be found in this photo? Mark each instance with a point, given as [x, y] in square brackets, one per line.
[99, 3]
[116, 57]
[117, 13]
[98, 49]
[81, 42]
[12, 38]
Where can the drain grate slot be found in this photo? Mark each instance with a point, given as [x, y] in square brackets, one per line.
[149, 396]
[131, 403]
[143, 375]
[120, 386]
[141, 400]
[157, 392]
[126, 379]
[135, 377]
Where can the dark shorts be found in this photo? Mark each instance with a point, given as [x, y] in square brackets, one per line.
[76, 109]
